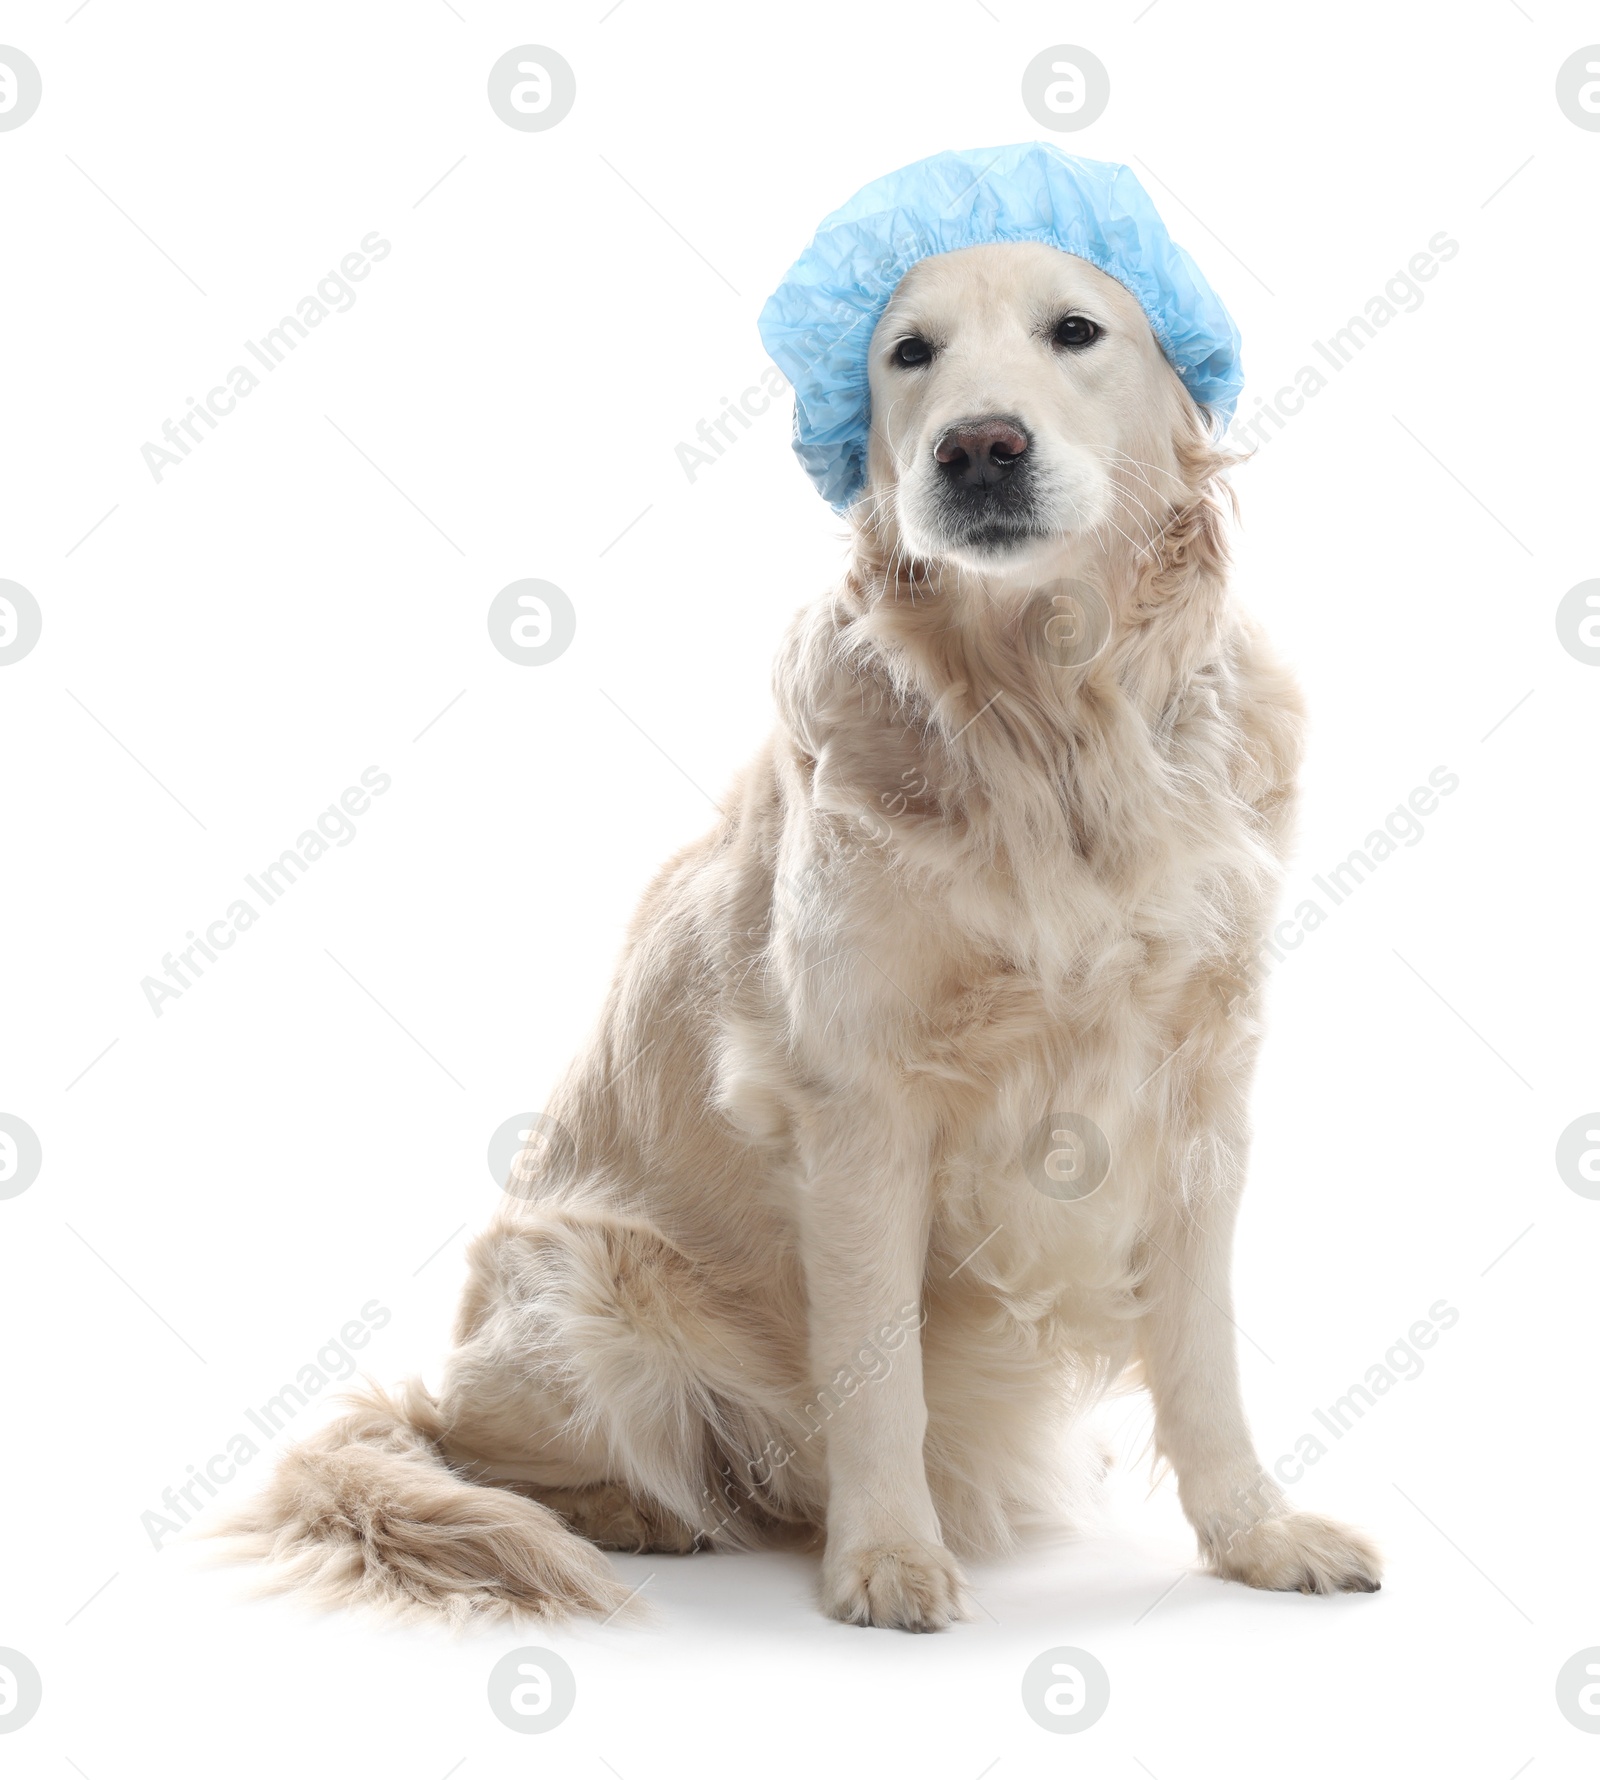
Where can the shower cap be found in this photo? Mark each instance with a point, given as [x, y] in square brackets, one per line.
[818, 324]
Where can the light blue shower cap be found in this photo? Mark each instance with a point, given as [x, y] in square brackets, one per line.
[818, 323]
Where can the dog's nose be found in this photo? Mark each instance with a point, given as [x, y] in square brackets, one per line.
[980, 453]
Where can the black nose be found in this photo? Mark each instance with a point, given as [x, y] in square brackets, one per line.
[980, 454]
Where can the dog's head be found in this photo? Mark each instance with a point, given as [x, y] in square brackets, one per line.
[1019, 401]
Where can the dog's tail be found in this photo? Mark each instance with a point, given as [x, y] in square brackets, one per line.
[367, 1512]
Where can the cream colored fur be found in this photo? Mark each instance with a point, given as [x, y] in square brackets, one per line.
[777, 1266]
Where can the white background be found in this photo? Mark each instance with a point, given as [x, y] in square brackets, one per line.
[229, 648]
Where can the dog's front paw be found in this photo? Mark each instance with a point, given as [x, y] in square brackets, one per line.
[908, 1586]
[1297, 1551]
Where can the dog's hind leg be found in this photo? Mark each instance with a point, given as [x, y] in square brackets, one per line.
[598, 1371]
[593, 1396]
[610, 1516]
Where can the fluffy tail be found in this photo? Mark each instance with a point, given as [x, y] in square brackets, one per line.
[366, 1512]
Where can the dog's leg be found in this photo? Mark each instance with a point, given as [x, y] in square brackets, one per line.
[615, 1518]
[864, 1234]
[595, 1363]
[1248, 1531]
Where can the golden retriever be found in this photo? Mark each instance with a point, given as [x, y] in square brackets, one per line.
[916, 1115]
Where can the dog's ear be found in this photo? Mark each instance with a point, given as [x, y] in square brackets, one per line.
[1190, 560]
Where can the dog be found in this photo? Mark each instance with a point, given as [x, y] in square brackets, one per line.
[915, 1119]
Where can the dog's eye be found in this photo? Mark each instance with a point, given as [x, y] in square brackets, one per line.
[913, 351]
[1076, 330]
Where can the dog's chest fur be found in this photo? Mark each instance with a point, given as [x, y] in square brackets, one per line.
[1063, 870]
[1071, 831]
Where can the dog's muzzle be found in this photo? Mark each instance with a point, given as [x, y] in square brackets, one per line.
[985, 476]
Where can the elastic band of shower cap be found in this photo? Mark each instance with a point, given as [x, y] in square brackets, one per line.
[818, 323]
